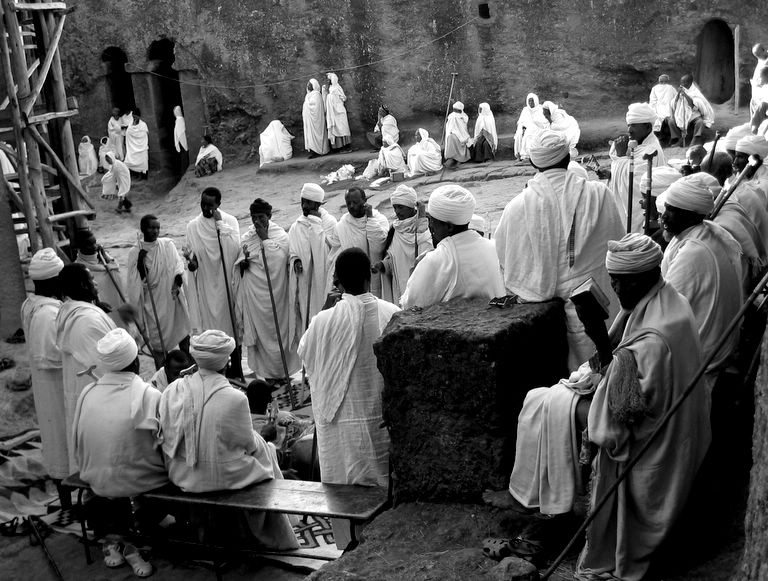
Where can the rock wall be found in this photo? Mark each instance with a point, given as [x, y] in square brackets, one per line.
[255, 56]
[455, 377]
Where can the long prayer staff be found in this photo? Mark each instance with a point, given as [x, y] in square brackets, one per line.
[648, 157]
[154, 307]
[631, 145]
[226, 283]
[723, 197]
[142, 330]
[448, 108]
[718, 135]
[306, 325]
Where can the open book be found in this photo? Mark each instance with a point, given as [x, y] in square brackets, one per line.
[589, 295]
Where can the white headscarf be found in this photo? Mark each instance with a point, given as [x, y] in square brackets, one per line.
[753, 145]
[633, 254]
[734, 134]
[691, 193]
[116, 350]
[459, 105]
[313, 192]
[211, 349]
[535, 98]
[180, 130]
[315, 85]
[640, 113]
[45, 264]
[404, 196]
[451, 203]
[548, 148]
[485, 120]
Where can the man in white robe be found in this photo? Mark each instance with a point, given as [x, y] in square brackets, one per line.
[661, 98]
[213, 245]
[115, 133]
[208, 440]
[79, 326]
[346, 385]
[463, 264]
[339, 135]
[703, 263]
[363, 227]
[553, 237]
[313, 116]
[154, 265]
[557, 119]
[457, 135]
[691, 114]
[408, 238]
[253, 304]
[38, 315]
[175, 362]
[116, 182]
[424, 156]
[651, 355]
[386, 127]
[137, 145]
[761, 54]
[391, 158]
[640, 119]
[527, 126]
[310, 263]
[91, 254]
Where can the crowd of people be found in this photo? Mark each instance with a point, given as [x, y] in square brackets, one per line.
[318, 295]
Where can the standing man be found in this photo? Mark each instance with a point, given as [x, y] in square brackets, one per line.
[660, 100]
[115, 133]
[554, 236]
[310, 264]
[92, 255]
[761, 54]
[213, 245]
[408, 238]
[463, 264]
[38, 315]
[154, 266]
[79, 326]
[337, 351]
[253, 303]
[313, 116]
[362, 227]
[137, 145]
[692, 115]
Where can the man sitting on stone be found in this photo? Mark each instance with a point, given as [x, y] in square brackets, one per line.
[209, 443]
[692, 115]
[463, 264]
[175, 362]
[642, 365]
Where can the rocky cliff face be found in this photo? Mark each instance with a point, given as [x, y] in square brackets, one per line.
[255, 57]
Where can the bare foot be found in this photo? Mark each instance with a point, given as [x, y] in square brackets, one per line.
[503, 499]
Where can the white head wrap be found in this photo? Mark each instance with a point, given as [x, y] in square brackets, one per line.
[535, 98]
[45, 264]
[477, 223]
[549, 105]
[691, 193]
[548, 148]
[423, 133]
[211, 349]
[177, 111]
[734, 134]
[451, 203]
[663, 78]
[116, 350]
[753, 145]
[663, 177]
[459, 105]
[633, 254]
[315, 85]
[313, 192]
[404, 195]
[334, 78]
[640, 113]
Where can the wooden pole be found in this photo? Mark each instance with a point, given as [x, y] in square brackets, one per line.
[14, 293]
[736, 66]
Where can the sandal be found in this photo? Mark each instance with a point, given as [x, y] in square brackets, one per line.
[497, 549]
[113, 556]
[141, 568]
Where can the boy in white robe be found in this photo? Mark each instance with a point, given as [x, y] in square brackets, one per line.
[463, 264]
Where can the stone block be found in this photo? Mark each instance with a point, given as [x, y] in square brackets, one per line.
[514, 569]
[455, 376]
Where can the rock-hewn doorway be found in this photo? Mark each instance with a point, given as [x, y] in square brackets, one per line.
[714, 61]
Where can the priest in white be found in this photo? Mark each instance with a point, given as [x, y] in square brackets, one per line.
[137, 145]
[530, 122]
[463, 263]
[310, 262]
[660, 100]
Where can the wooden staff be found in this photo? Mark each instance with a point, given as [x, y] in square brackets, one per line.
[448, 108]
[154, 307]
[226, 284]
[723, 197]
[631, 145]
[648, 157]
[718, 135]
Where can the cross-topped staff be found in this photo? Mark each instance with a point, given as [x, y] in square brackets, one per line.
[648, 157]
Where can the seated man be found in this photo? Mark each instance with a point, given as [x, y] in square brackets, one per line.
[175, 362]
[660, 100]
[289, 426]
[386, 126]
[692, 115]
[116, 436]
[656, 354]
[209, 443]
[463, 264]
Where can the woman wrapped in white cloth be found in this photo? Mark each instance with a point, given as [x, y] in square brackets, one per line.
[180, 139]
[424, 156]
[485, 142]
[275, 143]
[558, 120]
[209, 159]
[391, 158]
[339, 134]
[137, 145]
[313, 116]
[456, 135]
[529, 124]
[86, 157]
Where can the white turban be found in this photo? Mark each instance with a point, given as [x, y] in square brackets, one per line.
[45, 264]
[548, 148]
[550, 106]
[477, 223]
[633, 254]
[663, 177]
[459, 105]
[451, 203]
[691, 193]
[753, 145]
[313, 193]
[404, 195]
[640, 113]
[734, 134]
[116, 350]
[211, 349]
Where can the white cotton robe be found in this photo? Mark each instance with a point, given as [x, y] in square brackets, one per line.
[253, 306]
[309, 240]
[210, 150]
[86, 157]
[456, 137]
[209, 444]
[38, 316]
[425, 156]
[79, 326]
[462, 266]
[391, 158]
[619, 183]
[313, 116]
[116, 434]
[533, 244]
[163, 265]
[411, 237]
[660, 100]
[137, 147]
[275, 143]
[207, 292]
[683, 113]
[336, 113]
[370, 234]
[529, 124]
[661, 335]
[116, 136]
[117, 181]
[179, 131]
[387, 125]
[109, 291]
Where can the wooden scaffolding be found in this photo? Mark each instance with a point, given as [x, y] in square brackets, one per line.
[35, 115]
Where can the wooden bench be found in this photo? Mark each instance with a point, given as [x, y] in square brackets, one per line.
[357, 504]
